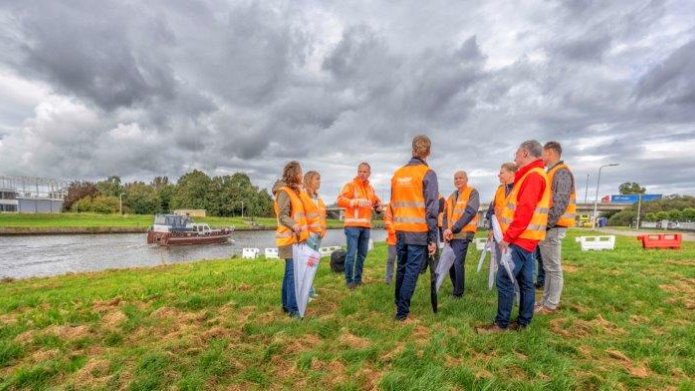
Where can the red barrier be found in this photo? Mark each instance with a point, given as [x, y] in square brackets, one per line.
[661, 241]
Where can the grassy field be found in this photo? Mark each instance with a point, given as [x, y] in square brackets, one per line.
[44, 221]
[626, 322]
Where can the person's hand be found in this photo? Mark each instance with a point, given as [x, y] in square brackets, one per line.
[504, 246]
[297, 229]
[378, 208]
[448, 235]
[432, 248]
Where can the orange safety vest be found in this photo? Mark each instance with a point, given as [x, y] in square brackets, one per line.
[390, 227]
[500, 199]
[285, 236]
[358, 216]
[568, 219]
[408, 200]
[455, 207]
[535, 230]
[315, 213]
[440, 216]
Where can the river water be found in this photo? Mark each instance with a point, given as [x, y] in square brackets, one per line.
[39, 256]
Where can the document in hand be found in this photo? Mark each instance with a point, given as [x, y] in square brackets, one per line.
[506, 256]
[487, 249]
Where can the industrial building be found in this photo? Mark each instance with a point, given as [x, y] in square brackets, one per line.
[21, 194]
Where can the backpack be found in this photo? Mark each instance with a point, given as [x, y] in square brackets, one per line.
[338, 261]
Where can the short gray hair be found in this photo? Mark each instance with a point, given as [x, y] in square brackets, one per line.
[533, 147]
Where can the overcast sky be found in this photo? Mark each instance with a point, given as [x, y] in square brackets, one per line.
[90, 89]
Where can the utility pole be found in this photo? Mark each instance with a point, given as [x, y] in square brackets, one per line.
[586, 192]
[598, 183]
[639, 209]
[242, 209]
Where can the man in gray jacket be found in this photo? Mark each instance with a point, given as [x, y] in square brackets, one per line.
[560, 217]
[460, 223]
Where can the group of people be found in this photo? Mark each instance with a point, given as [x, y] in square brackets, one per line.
[533, 206]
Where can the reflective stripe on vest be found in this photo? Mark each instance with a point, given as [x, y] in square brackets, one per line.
[285, 236]
[456, 207]
[390, 229]
[568, 218]
[536, 227]
[408, 200]
[359, 216]
[315, 213]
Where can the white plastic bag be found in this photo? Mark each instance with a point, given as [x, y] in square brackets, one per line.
[306, 262]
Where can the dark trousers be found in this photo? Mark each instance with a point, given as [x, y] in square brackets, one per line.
[524, 265]
[540, 279]
[411, 258]
[457, 272]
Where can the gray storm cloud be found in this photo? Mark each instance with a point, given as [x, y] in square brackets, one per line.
[92, 89]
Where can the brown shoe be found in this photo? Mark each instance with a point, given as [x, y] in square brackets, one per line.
[492, 328]
[543, 310]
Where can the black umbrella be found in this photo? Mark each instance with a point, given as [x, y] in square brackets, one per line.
[432, 260]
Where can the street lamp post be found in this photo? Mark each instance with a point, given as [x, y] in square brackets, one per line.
[598, 183]
[639, 209]
[120, 204]
[586, 191]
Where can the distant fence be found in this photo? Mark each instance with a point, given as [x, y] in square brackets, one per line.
[666, 224]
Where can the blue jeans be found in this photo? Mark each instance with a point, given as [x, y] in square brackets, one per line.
[458, 269]
[411, 258]
[357, 245]
[540, 280]
[524, 265]
[289, 298]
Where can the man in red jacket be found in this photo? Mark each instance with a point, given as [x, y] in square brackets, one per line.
[523, 221]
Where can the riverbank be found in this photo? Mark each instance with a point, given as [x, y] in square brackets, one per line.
[88, 223]
[625, 323]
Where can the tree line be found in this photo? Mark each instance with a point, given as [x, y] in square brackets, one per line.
[226, 195]
[673, 208]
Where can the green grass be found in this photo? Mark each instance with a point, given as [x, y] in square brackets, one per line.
[626, 322]
[42, 221]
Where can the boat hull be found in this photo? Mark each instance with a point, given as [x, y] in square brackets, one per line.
[186, 238]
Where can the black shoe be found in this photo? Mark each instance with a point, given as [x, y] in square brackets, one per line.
[358, 283]
[538, 285]
[351, 286]
[515, 326]
[457, 297]
[400, 318]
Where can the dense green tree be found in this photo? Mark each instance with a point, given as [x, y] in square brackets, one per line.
[111, 186]
[661, 215]
[622, 218]
[141, 198]
[675, 215]
[689, 214]
[165, 190]
[232, 195]
[98, 204]
[192, 191]
[631, 188]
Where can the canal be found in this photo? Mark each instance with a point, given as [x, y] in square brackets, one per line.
[40, 256]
